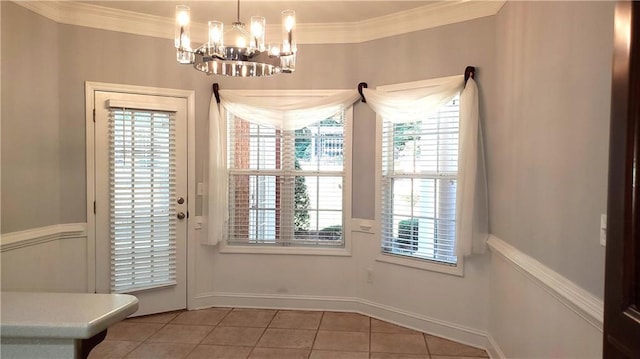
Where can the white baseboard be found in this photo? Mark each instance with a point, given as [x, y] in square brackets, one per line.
[34, 236]
[390, 314]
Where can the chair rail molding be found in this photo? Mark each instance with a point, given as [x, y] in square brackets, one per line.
[580, 301]
[34, 236]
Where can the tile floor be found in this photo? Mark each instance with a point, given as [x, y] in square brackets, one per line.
[280, 334]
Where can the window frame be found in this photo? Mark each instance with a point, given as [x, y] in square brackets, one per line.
[397, 259]
[346, 190]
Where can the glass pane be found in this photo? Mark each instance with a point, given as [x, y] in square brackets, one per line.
[253, 146]
[402, 197]
[320, 146]
[254, 208]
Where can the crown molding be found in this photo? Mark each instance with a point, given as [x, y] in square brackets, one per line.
[421, 18]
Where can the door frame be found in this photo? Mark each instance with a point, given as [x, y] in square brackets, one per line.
[621, 319]
[189, 95]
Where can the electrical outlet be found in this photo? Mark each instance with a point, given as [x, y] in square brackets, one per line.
[603, 230]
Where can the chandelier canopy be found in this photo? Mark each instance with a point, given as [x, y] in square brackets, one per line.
[246, 53]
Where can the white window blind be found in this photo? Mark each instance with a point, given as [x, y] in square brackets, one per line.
[419, 174]
[286, 186]
[142, 215]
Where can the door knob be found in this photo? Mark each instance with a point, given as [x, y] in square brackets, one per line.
[181, 215]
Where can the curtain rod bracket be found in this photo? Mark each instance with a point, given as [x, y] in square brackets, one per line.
[216, 88]
[362, 85]
[470, 71]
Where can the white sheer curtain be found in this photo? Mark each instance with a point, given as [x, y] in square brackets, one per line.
[285, 112]
[472, 222]
[218, 208]
[471, 200]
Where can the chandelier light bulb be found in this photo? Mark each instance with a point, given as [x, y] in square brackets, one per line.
[215, 33]
[288, 32]
[182, 29]
[274, 50]
[241, 42]
[258, 24]
[183, 17]
[289, 22]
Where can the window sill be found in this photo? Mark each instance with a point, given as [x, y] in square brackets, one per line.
[457, 270]
[339, 252]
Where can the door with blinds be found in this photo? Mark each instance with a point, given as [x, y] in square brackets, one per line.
[141, 198]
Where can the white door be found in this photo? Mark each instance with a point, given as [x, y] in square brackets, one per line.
[141, 198]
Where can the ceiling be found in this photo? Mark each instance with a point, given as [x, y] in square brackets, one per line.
[307, 11]
[318, 21]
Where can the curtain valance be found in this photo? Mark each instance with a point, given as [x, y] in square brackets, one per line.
[414, 104]
[284, 113]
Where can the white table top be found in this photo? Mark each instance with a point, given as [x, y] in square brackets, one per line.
[61, 315]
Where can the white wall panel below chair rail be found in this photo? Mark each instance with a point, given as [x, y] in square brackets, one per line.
[49, 259]
[537, 313]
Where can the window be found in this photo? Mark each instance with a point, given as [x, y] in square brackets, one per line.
[419, 168]
[287, 187]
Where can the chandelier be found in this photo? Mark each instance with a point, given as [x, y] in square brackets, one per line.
[245, 55]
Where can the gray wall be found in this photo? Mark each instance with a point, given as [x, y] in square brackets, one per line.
[30, 128]
[547, 144]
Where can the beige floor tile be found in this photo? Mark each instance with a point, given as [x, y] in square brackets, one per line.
[398, 343]
[399, 356]
[131, 331]
[350, 322]
[441, 346]
[279, 334]
[236, 336]
[219, 352]
[287, 338]
[290, 319]
[178, 333]
[161, 350]
[211, 316]
[379, 326]
[279, 353]
[162, 318]
[342, 341]
[258, 318]
[112, 349]
[330, 354]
